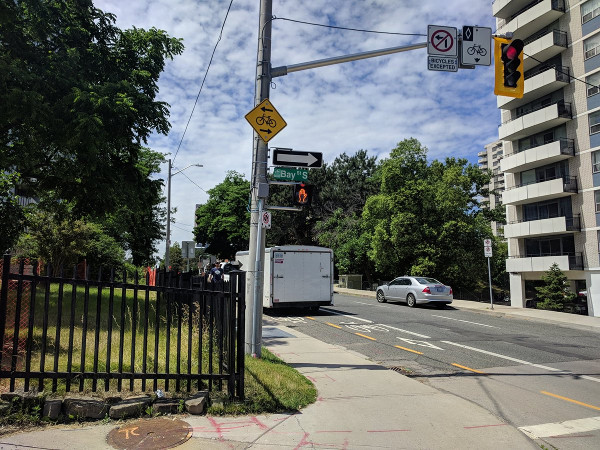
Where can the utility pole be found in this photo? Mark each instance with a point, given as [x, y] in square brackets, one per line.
[254, 285]
[168, 249]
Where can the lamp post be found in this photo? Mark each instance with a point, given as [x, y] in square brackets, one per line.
[168, 249]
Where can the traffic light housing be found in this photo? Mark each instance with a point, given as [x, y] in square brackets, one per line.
[302, 194]
[508, 64]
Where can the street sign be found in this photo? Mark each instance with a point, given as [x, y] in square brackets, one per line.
[265, 219]
[476, 46]
[285, 174]
[442, 41]
[188, 249]
[265, 120]
[442, 64]
[291, 158]
[487, 248]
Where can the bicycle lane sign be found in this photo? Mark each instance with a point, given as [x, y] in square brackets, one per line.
[476, 46]
[266, 120]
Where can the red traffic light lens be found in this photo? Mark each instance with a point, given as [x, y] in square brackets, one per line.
[511, 53]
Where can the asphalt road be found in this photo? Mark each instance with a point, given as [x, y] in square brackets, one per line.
[540, 377]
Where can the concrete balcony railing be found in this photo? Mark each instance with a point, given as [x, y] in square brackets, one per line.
[540, 81]
[542, 227]
[538, 156]
[537, 192]
[535, 121]
[532, 18]
[503, 9]
[542, 263]
[542, 46]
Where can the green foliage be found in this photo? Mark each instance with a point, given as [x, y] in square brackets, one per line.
[425, 219]
[223, 222]
[12, 216]
[79, 101]
[555, 292]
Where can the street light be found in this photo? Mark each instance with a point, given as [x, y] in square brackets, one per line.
[168, 249]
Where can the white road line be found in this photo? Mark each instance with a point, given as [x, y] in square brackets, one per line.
[406, 331]
[466, 321]
[520, 361]
[346, 315]
[562, 428]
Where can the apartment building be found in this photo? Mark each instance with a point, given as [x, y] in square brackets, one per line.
[551, 141]
[489, 159]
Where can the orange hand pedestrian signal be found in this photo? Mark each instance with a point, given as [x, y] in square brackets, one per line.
[302, 194]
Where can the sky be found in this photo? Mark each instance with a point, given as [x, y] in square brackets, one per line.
[371, 104]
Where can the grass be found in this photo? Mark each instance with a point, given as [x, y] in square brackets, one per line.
[270, 384]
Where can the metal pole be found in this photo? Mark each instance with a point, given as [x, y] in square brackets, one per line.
[490, 281]
[168, 249]
[254, 287]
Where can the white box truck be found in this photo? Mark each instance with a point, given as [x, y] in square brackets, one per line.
[295, 275]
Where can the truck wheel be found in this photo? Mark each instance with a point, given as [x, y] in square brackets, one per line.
[380, 297]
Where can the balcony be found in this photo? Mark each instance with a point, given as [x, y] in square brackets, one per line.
[542, 227]
[532, 18]
[535, 121]
[543, 262]
[503, 9]
[542, 46]
[540, 81]
[538, 156]
[537, 192]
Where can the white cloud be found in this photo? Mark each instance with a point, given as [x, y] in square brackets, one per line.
[371, 104]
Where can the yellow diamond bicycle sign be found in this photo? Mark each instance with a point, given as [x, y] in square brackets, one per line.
[265, 120]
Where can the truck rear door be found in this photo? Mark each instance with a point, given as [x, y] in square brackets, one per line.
[301, 277]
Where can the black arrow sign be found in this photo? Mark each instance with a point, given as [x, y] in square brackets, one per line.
[290, 158]
[266, 109]
[266, 131]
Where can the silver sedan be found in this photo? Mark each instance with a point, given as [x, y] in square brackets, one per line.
[415, 291]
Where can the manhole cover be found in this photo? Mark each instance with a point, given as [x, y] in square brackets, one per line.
[150, 434]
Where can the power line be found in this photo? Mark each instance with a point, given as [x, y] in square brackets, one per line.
[346, 28]
[202, 85]
[560, 71]
[193, 182]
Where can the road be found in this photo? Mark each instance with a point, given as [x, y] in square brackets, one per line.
[541, 378]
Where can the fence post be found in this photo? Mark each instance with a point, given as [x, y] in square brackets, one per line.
[3, 303]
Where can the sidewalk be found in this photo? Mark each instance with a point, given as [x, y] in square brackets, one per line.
[360, 405]
[559, 318]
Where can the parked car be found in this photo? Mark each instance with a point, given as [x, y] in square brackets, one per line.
[415, 291]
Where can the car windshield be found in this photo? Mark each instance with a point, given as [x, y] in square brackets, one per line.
[427, 280]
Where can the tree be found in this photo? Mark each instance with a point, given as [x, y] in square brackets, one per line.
[223, 222]
[426, 219]
[78, 100]
[555, 292]
[12, 217]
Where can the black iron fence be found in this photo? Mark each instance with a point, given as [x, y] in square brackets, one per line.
[63, 333]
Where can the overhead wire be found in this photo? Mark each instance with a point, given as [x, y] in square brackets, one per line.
[203, 81]
[560, 71]
[346, 28]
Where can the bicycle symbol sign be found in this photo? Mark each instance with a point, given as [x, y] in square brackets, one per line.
[442, 41]
[265, 120]
[476, 46]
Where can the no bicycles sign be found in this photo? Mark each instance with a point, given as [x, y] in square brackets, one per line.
[442, 41]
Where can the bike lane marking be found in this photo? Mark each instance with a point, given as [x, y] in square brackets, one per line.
[406, 331]
[346, 315]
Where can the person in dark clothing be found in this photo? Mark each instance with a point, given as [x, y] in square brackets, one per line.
[216, 275]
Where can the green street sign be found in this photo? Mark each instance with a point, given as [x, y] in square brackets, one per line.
[287, 174]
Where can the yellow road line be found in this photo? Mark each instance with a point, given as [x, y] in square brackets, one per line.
[468, 368]
[333, 325]
[311, 318]
[368, 337]
[408, 350]
[570, 400]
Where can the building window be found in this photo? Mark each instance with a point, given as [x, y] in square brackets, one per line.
[596, 162]
[589, 10]
[597, 200]
[591, 46]
[594, 121]
[593, 84]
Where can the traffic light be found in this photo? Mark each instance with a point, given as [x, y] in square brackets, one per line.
[508, 63]
[302, 194]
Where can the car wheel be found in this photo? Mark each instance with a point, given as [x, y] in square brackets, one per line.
[411, 300]
[380, 297]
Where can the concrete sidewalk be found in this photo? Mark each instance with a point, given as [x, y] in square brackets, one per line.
[360, 405]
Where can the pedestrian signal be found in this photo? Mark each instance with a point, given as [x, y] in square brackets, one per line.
[302, 194]
[508, 65]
